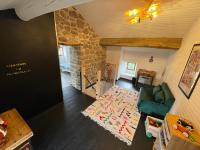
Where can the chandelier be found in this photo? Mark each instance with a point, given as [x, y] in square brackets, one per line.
[151, 11]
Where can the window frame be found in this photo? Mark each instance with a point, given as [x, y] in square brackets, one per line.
[60, 51]
[129, 68]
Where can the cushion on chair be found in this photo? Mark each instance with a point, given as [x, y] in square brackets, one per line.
[156, 89]
[159, 97]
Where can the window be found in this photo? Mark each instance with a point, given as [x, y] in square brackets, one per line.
[131, 66]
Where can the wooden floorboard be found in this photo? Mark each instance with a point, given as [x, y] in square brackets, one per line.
[63, 127]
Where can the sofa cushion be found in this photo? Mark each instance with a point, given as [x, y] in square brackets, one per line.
[169, 98]
[145, 95]
[156, 89]
[159, 97]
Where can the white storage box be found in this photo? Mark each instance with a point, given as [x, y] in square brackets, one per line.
[153, 126]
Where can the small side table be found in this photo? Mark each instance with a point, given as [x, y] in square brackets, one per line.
[18, 132]
[150, 75]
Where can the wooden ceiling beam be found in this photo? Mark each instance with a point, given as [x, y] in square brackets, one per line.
[164, 43]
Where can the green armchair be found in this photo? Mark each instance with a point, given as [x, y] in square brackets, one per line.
[148, 102]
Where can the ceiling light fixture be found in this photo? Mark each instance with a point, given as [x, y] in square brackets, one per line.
[151, 11]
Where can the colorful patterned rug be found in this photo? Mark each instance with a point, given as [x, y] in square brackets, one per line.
[117, 112]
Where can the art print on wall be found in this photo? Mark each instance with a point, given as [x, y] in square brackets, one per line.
[191, 72]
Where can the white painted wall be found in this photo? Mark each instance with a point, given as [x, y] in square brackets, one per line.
[176, 64]
[120, 55]
[113, 56]
[64, 59]
[28, 9]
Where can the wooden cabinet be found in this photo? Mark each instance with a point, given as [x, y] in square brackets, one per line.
[172, 139]
[18, 132]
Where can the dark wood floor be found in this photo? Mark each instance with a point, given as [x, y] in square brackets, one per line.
[65, 79]
[63, 127]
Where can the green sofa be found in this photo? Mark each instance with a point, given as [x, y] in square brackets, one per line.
[149, 105]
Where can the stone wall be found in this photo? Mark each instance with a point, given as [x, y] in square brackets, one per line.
[72, 29]
[75, 66]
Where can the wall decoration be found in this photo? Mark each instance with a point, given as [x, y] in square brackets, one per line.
[191, 73]
[17, 68]
[151, 59]
[109, 73]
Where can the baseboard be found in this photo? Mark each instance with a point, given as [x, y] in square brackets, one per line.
[124, 79]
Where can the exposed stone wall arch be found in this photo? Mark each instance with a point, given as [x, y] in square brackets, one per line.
[72, 29]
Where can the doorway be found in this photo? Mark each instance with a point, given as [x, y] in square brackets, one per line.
[69, 60]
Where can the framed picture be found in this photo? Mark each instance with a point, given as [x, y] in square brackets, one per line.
[191, 72]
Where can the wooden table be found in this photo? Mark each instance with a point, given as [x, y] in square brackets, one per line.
[18, 132]
[171, 120]
[145, 73]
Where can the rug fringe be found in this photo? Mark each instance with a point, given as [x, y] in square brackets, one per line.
[112, 132]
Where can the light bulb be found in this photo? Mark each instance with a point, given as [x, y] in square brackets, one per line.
[154, 14]
[135, 20]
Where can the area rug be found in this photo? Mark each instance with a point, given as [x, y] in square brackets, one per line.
[117, 112]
